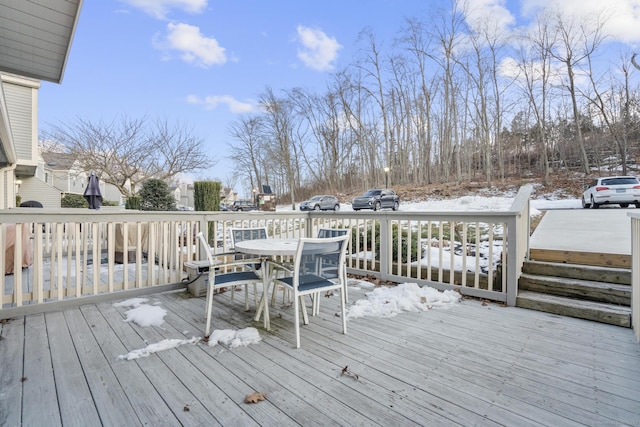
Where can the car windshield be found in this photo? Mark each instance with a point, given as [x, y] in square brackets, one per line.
[372, 193]
[315, 199]
[620, 180]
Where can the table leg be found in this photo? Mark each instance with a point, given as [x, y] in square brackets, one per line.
[266, 276]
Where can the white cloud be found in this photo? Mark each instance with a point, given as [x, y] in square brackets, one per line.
[318, 50]
[212, 101]
[622, 16]
[160, 8]
[480, 12]
[193, 46]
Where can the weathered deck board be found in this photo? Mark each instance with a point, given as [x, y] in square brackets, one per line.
[40, 406]
[473, 364]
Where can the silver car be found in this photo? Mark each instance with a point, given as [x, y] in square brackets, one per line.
[376, 199]
[321, 203]
[612, 190]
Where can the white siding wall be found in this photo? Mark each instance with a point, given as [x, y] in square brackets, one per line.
[21, 98]
[34, 189]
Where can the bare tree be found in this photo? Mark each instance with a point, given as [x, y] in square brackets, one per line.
[535, 69]
[447, 36]
[279, 126]
[128, 151]
[417, 42]
[612, 104]
[249, 148]
[578, 40]
[371, 67]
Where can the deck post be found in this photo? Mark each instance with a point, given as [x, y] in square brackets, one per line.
[635, 274]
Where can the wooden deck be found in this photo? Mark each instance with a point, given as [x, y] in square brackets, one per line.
[474, 364]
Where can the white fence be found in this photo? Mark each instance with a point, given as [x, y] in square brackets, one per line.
[91, 254]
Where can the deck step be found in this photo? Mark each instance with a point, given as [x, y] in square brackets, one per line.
[598, 293]
[575, 271]
[590, 290]
[612, 314]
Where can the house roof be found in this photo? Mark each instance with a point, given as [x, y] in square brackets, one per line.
[58, 161]
[36, 35]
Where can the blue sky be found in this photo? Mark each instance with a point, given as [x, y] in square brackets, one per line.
[202, 62]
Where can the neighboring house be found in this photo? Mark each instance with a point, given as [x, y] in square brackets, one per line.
[63, 175]
[27, 58]
[228, 196]
[56, 175]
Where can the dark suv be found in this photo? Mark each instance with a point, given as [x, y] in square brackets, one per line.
[376, 200]
[242, 205]
[321, 203]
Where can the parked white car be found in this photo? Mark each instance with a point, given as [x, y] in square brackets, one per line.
[612, 190]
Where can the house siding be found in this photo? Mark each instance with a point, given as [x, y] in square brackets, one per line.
[34, 189]
[19, 100]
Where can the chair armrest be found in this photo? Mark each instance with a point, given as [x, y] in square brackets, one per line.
[277, 265]
[239, 262]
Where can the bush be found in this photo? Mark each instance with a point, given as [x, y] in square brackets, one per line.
[206, 195]
[133, 202]
[155, 195]
[374, 233]
[74, 201]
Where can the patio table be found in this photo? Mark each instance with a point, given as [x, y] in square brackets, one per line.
[267, 249]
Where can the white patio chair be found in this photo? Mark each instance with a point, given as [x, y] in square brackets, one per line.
[227, 273]
[240, 234]
[331, 264]
[310, 278]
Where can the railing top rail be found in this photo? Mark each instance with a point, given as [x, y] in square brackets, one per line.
[633, 215]
[523, 196]
[416, 215]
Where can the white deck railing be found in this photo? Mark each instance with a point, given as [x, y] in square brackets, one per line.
[635, 273]
[97, 253]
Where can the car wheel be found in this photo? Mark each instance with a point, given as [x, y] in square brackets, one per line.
[376, 206]
[316, 208]
[594, 205]
[637, 205]
[396, 205]
[585, 205]
[624, 205]
[356, 210]
[336, 208]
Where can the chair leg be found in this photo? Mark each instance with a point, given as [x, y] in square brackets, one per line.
[246, 297]
[273, 294]
[316, 304]
[345, 287]
[303, 306]
[209, 303]
[255, 295]
[296, 321]
[343, 304]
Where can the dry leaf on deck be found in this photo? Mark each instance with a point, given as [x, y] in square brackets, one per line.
[254, 397]
[346, 371]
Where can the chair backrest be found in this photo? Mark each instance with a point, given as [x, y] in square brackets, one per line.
[206, 247]
[323, 233]
[313, 254]
[240, 234]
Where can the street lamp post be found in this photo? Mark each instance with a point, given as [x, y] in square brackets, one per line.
[255, 195]
[386, 177]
